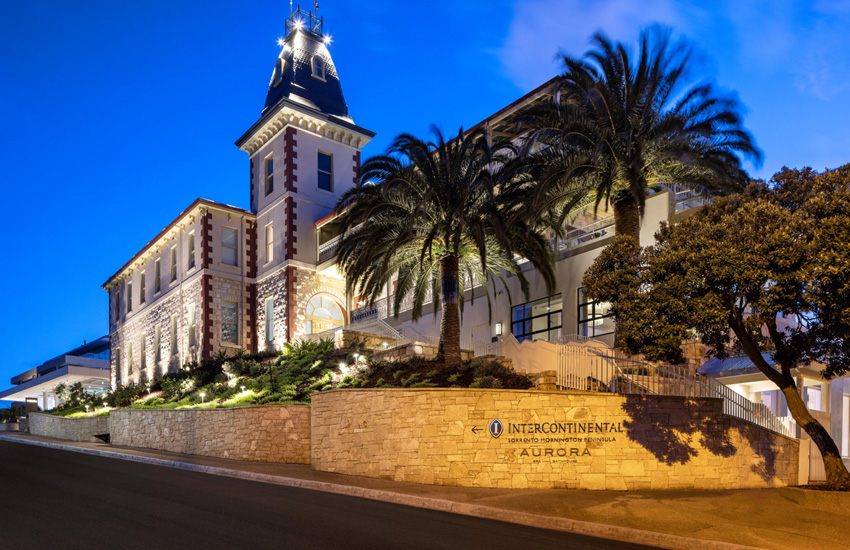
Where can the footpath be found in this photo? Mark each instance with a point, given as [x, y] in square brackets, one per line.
[679, 520]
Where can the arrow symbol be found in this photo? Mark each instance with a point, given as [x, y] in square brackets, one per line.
[475, 429]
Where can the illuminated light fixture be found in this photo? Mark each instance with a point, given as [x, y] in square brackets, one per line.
[498, 329]
[280, 41]
[242, 388]
[202, 396]
[298, 24]
[341, 365]
[327, 39]
[87, 408]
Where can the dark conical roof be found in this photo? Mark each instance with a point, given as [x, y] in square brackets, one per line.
[294, 79]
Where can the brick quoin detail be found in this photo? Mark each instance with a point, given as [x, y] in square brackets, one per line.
[253, 342]
[251, 198]
[290, 139]
[206, 306]
[291, 279]
[206, 240]
[251, 248]
[356, 160]
[291, 238]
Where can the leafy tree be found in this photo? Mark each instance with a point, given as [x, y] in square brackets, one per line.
[764, 271]
[439, 214]
[619, 126]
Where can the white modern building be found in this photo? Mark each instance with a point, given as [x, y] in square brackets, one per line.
[87, 364]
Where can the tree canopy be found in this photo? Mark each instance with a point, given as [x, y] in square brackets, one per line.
[621, 124]
[434, 216]
[767, 270]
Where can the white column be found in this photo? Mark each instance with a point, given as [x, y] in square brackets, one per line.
[44, 400]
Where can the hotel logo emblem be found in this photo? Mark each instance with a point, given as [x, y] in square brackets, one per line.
[496, 428]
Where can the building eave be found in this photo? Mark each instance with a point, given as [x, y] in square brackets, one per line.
[198, 203]
[289, 113]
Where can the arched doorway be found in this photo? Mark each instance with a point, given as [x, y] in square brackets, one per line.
[323, 313]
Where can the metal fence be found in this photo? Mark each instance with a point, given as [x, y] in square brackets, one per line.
[593, 366]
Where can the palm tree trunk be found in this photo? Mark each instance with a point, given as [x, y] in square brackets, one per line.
[449, 350]
[627, 216]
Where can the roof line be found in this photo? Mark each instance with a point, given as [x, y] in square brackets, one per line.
[197, 202]
[512, 105]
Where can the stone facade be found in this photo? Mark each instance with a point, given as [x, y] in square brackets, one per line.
[441, 436]
[270, 433]
[69, 429]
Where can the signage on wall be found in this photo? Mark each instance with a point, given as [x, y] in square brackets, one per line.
[552, 432]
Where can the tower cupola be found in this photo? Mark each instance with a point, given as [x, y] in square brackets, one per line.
[304, 72]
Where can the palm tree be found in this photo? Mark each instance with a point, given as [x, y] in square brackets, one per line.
[617, 128]
[436, 215]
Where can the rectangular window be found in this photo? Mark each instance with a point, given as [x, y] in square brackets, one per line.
[192, 326]
[142, 289]
[129, 297]
[191, 250]
[129, 357]
[173, 263]
[174, 334]
[325, 171]
[229, 246]
[269, 243]
[270, 320]
[118, 365]
[157, 339]
[594, 318]
[143, 356]
[229, 322]
[157, 284]
[538, 320]
[269, 175]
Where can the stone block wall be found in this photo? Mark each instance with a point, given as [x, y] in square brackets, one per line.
[270, 433]
[69, 429]
[230, 290]
[143, 325]
[544, 440]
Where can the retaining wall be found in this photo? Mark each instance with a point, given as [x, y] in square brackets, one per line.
[547, 440]
[70, 429]
[270, 433]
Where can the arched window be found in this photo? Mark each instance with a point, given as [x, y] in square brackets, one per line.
[323, 314]
[278, 72]
[318, 67]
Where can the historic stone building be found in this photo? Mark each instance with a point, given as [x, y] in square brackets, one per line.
[223, 278]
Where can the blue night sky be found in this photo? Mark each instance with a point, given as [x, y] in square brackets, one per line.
[117, 115]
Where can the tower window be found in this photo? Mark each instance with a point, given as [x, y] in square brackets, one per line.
[269, 174]
[191, 250]
[277, 78]
[142, 290]
[173, 264]
[157, 276]
[325, 163]
[318, 67]
[269, 242]
[229, 323]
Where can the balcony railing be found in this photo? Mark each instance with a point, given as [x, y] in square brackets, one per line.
[685, 198]
[586, 233]
[329, 249]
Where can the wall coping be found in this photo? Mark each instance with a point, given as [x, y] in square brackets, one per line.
[65, 417]
[272, 405]
[531, 392]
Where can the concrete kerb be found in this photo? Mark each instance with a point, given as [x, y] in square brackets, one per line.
[600, 530]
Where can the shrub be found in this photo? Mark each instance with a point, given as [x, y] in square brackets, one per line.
[486, 382]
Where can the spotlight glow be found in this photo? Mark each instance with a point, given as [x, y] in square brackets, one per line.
[327, 39]
[280, 41]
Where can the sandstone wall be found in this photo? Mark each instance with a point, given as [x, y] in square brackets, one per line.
[69, 429]
[441, 436]
[270, 433]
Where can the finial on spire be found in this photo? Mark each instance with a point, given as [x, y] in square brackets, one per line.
[305, 20]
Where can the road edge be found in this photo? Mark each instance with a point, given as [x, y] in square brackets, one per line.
[600, 530]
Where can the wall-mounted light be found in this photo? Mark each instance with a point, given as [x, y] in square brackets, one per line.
[498, 329]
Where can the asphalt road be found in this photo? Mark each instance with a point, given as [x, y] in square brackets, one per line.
[60, 499]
